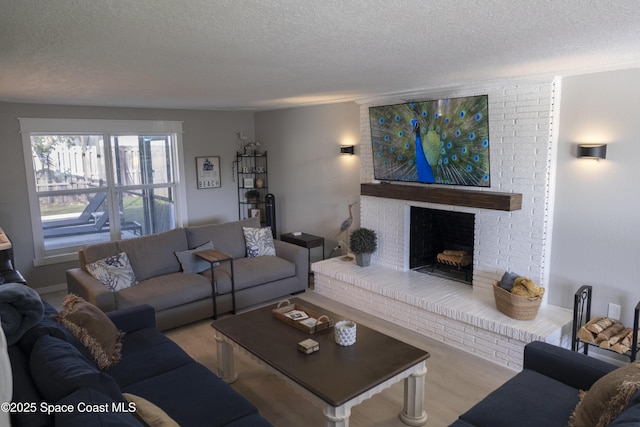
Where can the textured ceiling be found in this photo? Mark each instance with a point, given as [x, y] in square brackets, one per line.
[240, 54]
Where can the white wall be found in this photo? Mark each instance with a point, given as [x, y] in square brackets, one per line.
[206, 133]
[313, 184]
[596, 232]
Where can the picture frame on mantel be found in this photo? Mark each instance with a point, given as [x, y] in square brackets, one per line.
[208, 171]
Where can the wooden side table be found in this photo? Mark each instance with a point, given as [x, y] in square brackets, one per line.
[215, 256]
[306, 241]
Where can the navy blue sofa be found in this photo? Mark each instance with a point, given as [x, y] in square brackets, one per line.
[49, 365]
[545, 392]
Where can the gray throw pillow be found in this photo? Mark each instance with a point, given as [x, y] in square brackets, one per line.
[191, 263]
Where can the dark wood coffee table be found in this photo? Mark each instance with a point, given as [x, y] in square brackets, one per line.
[335, 377]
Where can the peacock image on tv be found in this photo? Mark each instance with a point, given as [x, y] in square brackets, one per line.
[445, 141]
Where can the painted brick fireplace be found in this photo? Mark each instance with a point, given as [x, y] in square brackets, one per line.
[522, 134]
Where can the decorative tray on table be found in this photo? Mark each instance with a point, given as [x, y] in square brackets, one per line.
[301, 317]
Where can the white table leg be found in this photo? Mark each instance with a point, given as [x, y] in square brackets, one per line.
[414, 413]
[337, 417]
[226, 367]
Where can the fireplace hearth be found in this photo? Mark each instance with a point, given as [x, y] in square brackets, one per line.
[441, 243]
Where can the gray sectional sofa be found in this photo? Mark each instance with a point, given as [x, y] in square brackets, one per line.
[180, 298]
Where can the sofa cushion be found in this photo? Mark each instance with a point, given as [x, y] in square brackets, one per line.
[162, 292]
[148, 348]
[607, 397]
[516, 400]
[215, 400]
[93, 253]
[259, 242]
[227, 237]
[58, 369]
[93, 329]
[191, 263]
[250, 272]
[84, 398]
[154, 255]
[24, 390]
[114, 272]
[149, 413]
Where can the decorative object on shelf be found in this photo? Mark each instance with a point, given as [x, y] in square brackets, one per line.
[347, 149]
[592, 151]
[252, 196]
[255, 213]
[248, 183]
[208, 169]
[259, 182]
[242, 141]
[363, 242]
[247, 146]
[345, 331]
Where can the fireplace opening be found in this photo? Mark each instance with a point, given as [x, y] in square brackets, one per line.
[441, 243]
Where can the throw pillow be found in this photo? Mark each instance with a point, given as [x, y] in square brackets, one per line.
[149, 413]
[93, 329]
[191, 263]
[259, 241]
[507, 280]
[607, 397]
[114, 272]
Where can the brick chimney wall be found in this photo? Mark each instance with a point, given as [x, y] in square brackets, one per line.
[521, 132]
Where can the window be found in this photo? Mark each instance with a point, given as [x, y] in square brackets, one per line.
[83, 173]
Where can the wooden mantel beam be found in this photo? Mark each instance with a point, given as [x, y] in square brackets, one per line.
[446, 196]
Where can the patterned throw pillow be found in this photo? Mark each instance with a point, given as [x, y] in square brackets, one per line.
[114, 272]
[259, 241]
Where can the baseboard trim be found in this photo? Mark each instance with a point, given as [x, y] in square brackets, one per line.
[61, 287]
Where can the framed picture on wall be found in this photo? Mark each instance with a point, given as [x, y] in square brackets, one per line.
[208, 170]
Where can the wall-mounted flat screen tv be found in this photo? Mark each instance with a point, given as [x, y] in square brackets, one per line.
[445, 141]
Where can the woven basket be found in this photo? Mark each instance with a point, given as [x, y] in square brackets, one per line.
[516, 306]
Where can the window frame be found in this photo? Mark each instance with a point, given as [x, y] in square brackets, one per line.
[107, 128]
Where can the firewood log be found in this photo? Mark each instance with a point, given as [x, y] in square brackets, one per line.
[585, 335]
[619, 336]
[609, 332]
[600, 325]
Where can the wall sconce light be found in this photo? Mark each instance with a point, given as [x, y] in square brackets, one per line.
[347, 149]
[592, 151]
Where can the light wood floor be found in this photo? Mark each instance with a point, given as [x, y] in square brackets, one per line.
[455, 380]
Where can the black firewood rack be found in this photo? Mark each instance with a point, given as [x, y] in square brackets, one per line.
[582, 315]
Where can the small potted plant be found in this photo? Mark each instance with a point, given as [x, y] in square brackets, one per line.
[363, 242]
